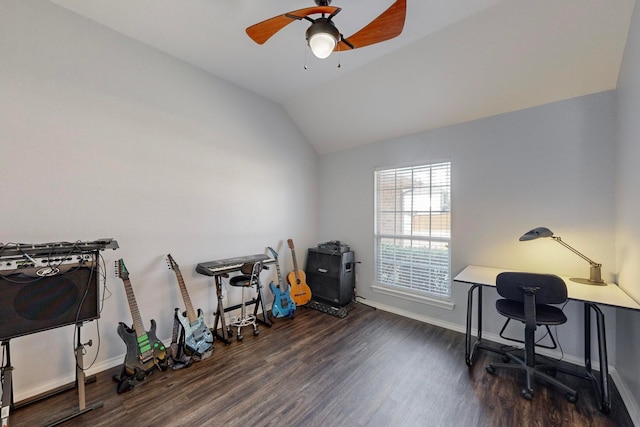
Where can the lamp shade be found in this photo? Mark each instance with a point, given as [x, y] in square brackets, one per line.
[536, 233]
[322, 37]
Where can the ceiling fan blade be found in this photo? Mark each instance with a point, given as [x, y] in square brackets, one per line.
[262, 31]
[387, 25]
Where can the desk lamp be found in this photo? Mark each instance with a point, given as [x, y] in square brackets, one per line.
[595, 275]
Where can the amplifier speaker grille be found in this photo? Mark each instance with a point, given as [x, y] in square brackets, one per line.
[31, 302]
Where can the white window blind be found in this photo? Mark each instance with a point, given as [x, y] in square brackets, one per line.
[413, 228]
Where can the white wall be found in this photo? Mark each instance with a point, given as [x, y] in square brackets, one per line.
[627, 208]
[101, 136]
[550, 166]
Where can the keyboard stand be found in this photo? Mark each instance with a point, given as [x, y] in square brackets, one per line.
[225, 336]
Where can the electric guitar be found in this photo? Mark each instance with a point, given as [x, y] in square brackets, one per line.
[283, 305]
[300, 291]
[197, 336]
[144, 350]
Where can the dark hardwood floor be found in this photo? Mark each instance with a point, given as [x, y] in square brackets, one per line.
[371, 368]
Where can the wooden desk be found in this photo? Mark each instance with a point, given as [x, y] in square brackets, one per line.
[590, 295]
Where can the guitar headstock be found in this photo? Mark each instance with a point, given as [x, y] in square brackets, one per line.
[121, 270]
[273, 252]
[290, 243]
[173, 265]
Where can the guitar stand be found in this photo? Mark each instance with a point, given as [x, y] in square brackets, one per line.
[81, 381]
[263, 319]
[127, 382]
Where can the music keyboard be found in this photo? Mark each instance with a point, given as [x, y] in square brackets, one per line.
[228, 265]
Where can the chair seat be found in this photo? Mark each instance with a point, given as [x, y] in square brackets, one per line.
[545, 314]
[242, 280]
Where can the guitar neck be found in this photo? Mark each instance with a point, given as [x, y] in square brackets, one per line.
[191, 313]
[138, 326]
[295, 265]
[280, 282]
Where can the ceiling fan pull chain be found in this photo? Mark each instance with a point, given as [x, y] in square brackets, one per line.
[305, 56]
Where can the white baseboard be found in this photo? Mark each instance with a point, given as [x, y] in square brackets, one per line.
[627, 397]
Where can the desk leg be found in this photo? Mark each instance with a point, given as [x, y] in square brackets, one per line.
[601, 387]
[470, 348]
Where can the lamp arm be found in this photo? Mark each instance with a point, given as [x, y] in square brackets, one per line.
[559, 240]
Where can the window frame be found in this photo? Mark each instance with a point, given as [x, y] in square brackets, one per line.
[435, 290]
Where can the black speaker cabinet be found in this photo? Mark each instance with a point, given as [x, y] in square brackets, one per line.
[331, 276]
[35, 299]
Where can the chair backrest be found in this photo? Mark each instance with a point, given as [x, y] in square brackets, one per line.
[551, 289]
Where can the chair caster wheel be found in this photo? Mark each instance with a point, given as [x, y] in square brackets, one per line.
[527, 394]
[491, 370]
[256, 332]
[572, 397]
[240, 337]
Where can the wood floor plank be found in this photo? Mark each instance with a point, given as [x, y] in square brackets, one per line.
[371, 368]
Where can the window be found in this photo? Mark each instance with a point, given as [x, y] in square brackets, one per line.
[413, 229]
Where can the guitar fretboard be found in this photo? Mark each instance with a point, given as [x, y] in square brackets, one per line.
[191, 313]
[138, 326]
[173, 265]
[295, 264]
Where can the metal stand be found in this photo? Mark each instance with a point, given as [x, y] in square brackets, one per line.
[220, 310]
[81, 381]
[80, 384]
[7, 381]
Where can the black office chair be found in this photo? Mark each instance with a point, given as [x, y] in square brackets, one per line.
[526, 298]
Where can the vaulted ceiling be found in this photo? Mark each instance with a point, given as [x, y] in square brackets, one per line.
[455, 61]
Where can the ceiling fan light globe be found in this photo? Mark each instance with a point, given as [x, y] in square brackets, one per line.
[322, 37]
[322, 44]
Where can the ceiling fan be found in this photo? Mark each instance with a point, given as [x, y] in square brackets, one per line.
[323, 37]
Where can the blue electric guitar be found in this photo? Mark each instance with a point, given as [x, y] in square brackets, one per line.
[283, 305]
[197, 336]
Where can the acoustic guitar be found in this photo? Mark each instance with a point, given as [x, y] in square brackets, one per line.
[283, 305]
[300, 291]
[197, 336]
[144, 350]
